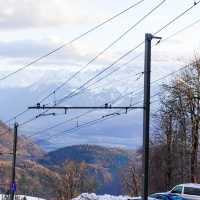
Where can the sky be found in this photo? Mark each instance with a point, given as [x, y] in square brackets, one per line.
[32, 28]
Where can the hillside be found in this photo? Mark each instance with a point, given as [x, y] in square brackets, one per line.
[25, 147]
[37, 171]
[31, 178]
[105, 163]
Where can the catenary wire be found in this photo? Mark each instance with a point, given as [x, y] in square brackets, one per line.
[176, 18]
[104, 50]
[156, 32]
[72, 41]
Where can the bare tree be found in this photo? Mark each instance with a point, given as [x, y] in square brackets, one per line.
[131, 178]
[178, 134]
[74, 180]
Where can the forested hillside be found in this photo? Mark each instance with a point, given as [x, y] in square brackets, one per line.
[104, 163]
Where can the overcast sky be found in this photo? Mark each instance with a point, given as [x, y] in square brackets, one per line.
[32, 28]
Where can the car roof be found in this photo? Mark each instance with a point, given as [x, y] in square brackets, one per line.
[194, 185]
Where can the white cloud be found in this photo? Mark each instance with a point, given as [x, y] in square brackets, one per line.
[32, 13]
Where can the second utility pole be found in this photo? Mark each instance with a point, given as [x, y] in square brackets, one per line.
[146, 114]
[13, 183]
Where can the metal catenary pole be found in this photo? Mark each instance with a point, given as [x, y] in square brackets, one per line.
[13, 183]
[146, 112]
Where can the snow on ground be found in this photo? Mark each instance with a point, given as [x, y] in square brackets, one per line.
[86, 196]
[29, 197]
[21, 197]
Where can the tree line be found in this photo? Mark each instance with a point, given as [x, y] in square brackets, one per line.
[174, 149]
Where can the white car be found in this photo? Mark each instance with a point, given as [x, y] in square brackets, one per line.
[188, 191]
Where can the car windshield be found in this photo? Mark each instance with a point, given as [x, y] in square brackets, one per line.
[177, 189]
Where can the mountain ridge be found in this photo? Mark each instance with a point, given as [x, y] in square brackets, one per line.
[105, 163]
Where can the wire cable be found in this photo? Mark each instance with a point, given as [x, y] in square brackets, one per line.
[181, 30]
[104, 50]
[111, 115]
[114, 101]
[76, 117]
[156, 32]
[72, 41]
[99, 54]
[176, 18]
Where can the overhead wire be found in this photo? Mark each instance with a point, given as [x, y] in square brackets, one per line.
[95, 121]
[66, 44]
[163, 40]
[76, 117]
[73, 40]
[181, 30]
[104, 50]
[176, 18]
[156, 32]
[105, 117]
[133, 93]
[115, 62]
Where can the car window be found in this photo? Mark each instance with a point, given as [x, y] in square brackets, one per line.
[177, 189]
[192, 191]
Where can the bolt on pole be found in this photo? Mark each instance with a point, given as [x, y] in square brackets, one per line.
[146, 112]
[13, 183]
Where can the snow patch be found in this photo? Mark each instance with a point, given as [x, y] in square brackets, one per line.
[92, 196]
[21, 197]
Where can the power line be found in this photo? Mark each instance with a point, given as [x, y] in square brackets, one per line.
[72, 41]
[16, 116]
[89, 123]
[98, 120]
[74, 118]
[181, 30]
[174, 19]
[127, 94]
[98, 74]
[104, 50]
[95, 121]
[82, 86]
[99, 54]
[158, 31]
[105, 117]
[163, 40]
[177, 17]
[106, 76]
[116, 100]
